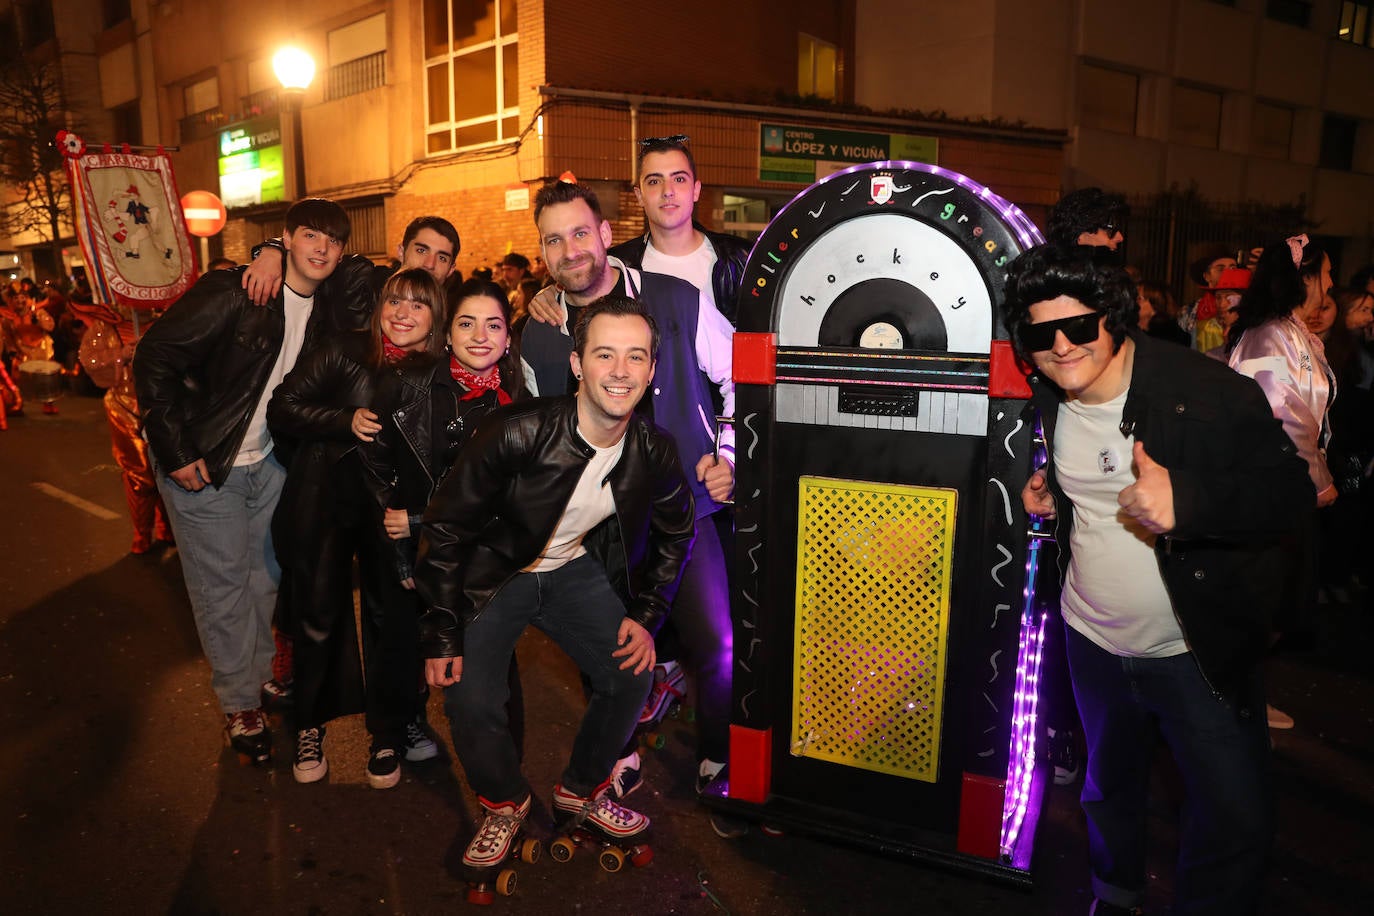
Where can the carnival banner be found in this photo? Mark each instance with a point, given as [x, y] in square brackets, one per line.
[129, 222]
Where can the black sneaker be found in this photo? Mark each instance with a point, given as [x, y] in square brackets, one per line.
[418, 744]
[310, 764]
[383, 768]
[1103, 908]
[1061, 749]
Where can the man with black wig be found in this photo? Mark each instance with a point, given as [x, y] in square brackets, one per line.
[1170, 484]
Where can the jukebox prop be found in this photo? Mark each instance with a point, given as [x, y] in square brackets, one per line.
[887, 639]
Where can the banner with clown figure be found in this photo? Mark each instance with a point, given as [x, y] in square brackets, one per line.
[130, 225]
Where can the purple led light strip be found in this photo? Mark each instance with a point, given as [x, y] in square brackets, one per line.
[1026, 699]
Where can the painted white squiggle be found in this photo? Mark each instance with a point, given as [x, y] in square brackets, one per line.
[845, 192]
[755, 441]
[1006, 558]
[750, 530]
[897, 190]
[996, 612]
[1006, 500]
[815, 214]
[1006, 443]
[744, 701]
[986, 753]
[753, 559]
[753, 644]
[992, 663]
[917, 201]
[991, 705]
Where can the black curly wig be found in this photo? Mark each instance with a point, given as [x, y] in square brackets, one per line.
[1086, 274]
[1085, 210]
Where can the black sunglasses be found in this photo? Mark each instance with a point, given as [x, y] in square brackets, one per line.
[1078, 330]
[665, 141]
[1110, 228]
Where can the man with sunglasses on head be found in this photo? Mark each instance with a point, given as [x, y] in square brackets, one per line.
[1168, 483]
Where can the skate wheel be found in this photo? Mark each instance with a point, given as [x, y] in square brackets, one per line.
[612, 859]
[689, 714]
[480, 896]
[771, 830]
[654, 741]
[505, 882]
[562, 849]
[641, 856]
[529, 850]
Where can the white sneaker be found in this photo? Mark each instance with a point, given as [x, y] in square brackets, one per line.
[310, 764]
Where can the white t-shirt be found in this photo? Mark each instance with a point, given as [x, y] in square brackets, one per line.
[592, 503]
[257, 442]
[695, 268]
[1114, 593]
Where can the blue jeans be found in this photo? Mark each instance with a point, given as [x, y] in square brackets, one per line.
[1222, 752]
[224, 537]
[577, 608]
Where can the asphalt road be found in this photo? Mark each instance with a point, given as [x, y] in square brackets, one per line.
[117, 796]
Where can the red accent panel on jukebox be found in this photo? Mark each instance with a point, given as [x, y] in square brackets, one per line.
[880, 597]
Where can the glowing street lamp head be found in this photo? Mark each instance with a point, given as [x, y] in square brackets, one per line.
[294, 68]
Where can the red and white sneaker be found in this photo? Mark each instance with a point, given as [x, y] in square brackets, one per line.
[247, 733]
[491, 845]
[670, 686]
[598, 814]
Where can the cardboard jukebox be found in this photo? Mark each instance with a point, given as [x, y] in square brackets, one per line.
[886, 640]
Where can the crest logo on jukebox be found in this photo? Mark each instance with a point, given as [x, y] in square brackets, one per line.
[880, 188]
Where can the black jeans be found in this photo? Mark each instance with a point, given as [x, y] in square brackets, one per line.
[577, 608]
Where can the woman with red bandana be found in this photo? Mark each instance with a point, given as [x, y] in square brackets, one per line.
[428, 411]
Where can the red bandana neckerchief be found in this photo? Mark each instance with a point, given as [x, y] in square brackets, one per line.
[477, 385]
[392, 353]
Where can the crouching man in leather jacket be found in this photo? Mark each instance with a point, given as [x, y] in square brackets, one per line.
[572, 514]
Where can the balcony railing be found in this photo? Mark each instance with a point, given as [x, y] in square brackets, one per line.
[202, 124]
[262, 102]
[357, 75]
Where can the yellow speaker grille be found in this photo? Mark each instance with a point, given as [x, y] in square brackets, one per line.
[872, 622]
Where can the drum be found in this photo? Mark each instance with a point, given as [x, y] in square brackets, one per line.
[41, 380]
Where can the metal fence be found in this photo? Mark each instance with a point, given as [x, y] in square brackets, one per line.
[354, 76]
[1167, 232]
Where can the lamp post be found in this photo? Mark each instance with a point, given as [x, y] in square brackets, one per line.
[295, 69]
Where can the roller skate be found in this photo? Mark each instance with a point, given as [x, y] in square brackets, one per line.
[246, 732]
[614, 830]
[501, 837]
[665, 700]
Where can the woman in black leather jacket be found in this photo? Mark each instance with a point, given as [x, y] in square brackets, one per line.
[324, 409]
[428, 411]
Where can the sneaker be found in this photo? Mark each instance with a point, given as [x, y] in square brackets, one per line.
[709, 772]
[1101, 907]
[310, 765]
[383, 768]
[491, 844]
[598, 813]
[418, 745]
[276, 694]
[670, 685]
[625, 776]
[1061, 749]
[1277, 717]
[246, 732]
[727, 827]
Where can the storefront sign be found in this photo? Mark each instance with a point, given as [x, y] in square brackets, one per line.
[251, 169]
[795, 154]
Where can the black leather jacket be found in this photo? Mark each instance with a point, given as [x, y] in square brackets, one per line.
[201, 368]
[316, 401]
[732, 252]
[407, 459]
[503, 497]
[1238, 485]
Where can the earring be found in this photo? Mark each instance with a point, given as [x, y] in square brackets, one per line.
[579, 376]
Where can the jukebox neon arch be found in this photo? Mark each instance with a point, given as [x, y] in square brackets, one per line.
[887, 634]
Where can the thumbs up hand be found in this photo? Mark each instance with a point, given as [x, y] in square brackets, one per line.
[1150, 500]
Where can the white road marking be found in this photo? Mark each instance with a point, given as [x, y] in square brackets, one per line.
[72, 499]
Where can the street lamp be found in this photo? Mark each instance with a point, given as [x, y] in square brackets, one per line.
[295, 69]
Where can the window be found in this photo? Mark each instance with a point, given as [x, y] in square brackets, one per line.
[113, 12]
[36, 15]
[1195, 117]
[1356, 24]
[368, 235]
[1107, 99]
[357, 57]
[1293, 12]
[1338, 143]
[1271, 130]
[201, 96]
[472, 89]
[817, 66]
